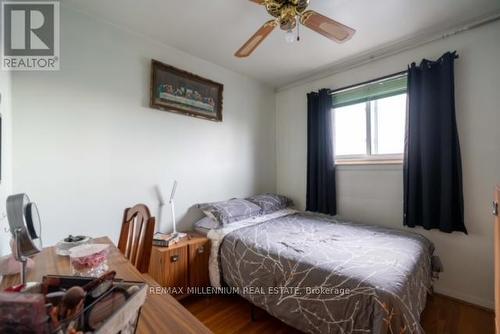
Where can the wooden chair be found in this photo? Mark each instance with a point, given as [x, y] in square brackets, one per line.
[136, 236]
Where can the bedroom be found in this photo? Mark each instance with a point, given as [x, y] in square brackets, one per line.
[85, 140]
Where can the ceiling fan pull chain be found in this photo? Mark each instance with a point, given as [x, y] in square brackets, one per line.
[298, 28]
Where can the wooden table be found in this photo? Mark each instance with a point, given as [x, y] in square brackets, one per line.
[160, 313]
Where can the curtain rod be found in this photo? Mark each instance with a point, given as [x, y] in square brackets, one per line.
[401, 73]
[367, 82]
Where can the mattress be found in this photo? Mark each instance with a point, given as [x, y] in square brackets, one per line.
[325, 275]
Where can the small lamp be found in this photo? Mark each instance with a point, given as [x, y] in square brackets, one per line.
[172, 207]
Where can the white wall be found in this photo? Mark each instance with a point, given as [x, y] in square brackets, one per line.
[86, 144]
[6, 180]
[374, 194]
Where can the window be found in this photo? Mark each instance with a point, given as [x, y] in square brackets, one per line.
[369, 121]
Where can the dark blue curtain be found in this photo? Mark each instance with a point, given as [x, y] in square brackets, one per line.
[321, 192]
[433, 195]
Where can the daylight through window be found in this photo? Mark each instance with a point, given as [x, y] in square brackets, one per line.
[369, 120]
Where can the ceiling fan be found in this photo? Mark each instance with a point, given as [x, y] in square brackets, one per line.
[288, 14]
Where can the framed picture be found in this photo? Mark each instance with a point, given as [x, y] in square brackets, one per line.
[185, 93]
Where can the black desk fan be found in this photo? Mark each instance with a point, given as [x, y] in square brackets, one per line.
[25, 227]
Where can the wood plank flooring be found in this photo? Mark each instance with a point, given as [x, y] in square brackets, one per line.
[231, 314]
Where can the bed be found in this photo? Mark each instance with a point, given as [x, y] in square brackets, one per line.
[325, 275]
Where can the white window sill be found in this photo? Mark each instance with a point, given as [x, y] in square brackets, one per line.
[358, 162]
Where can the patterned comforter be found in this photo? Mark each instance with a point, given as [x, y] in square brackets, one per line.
[323, 275]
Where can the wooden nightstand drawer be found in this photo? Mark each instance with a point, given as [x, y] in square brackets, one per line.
[182, 265]
[199, 253]
[169, 267]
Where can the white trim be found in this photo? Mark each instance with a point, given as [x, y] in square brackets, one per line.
[366, 157]
[368, 162]
[390, 49]
[378, 167]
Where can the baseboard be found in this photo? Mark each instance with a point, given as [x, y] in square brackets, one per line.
[488, 305]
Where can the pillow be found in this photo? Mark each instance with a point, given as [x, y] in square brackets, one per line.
[270, 202]
[230, 211]
[207, 223]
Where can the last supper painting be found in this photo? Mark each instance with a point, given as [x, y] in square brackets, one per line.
[185, 93]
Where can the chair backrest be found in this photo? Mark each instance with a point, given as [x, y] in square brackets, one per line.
[136, 236]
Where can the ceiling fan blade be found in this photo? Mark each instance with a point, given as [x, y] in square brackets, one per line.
[256, 39]
[327, 27]
[260, 2]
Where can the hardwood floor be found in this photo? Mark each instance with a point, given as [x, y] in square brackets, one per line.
[446, 315]
[231, 314]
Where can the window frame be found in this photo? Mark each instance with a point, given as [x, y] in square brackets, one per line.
[369, 158]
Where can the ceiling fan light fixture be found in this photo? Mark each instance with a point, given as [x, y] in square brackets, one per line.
[289, 36]
[289, 14]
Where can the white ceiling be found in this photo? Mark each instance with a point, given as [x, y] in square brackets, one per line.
[215, 29]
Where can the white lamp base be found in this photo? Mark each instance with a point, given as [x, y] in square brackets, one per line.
[180, 234]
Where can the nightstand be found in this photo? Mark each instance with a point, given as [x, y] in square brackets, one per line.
[181, 266]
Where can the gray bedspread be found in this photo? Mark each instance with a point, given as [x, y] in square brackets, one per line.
[322, 275]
